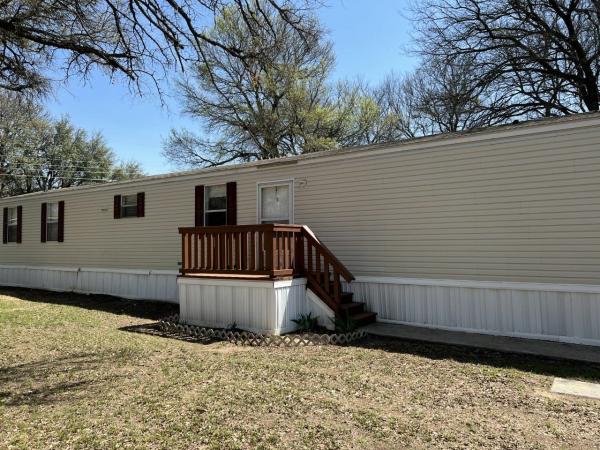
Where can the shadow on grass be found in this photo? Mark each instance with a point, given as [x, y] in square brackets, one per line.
[153, 329]
[144, 309]
[495, 359]
[53, 380]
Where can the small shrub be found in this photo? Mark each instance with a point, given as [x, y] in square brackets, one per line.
[306, 322]
[344, 324]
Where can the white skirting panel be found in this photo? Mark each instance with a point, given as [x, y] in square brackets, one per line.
[258, 306]
[49, 278]
[566, 313]
[134, 284]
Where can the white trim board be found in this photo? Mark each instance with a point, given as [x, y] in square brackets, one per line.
[512, 285]
[210, 281]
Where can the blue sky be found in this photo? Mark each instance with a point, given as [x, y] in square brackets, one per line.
[369, 38]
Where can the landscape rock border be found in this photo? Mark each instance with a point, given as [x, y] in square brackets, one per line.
[171, 324]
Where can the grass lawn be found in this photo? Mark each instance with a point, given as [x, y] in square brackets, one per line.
[72, 375]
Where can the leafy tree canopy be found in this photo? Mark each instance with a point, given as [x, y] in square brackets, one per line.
[39, 154]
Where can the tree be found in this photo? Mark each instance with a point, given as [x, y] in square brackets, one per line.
[265, 106]
[38, 154]
[543, 53]
[442, 97]
[140, 40]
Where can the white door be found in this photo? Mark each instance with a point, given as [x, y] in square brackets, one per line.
[275, 202]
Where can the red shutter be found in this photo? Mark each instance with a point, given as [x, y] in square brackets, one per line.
[199, 208]
[232, 203]
[5, 227]
[43, 223]
[141, 204]
[117, 207]
[19, 224]
[61, 221]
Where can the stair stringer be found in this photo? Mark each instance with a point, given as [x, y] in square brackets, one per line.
[320, 309]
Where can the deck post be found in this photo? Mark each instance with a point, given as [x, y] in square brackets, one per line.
[269, 251]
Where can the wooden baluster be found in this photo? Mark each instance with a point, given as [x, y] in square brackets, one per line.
[260, 252]
[318, 264]
[222, 252]
[337, 293]
[244, 251]
[202, 251]
[208, 251]
[216, 255]
[188, 250]
[183, 268]
[281, 245]
[227, 247]
[252, 250]
[309, 257]
[286, 250]
[215, 251]
[194, 249]
[299, 254]
[326, 283]
[234, 251]
[269, 250]
[231, 254]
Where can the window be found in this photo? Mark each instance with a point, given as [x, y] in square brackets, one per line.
[52, 222]
[275, 202]
[132, 205]
[129, 205]
[12, 224]
[215, 205]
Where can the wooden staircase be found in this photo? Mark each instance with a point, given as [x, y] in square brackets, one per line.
[324, 273]
[273, 251]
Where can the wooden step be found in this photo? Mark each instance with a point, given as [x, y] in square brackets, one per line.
[347, 297]
[363, 318]
[348, 309]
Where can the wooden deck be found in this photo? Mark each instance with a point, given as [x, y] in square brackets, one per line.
[269, 252]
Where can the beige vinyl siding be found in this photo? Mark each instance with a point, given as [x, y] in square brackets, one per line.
[512, 206]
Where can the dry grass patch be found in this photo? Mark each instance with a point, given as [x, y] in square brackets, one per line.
[72, 377]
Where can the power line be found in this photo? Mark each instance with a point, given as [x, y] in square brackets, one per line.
[87, 172]
[58, 178]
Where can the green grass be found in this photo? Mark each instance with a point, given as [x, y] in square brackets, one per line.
[74, 375]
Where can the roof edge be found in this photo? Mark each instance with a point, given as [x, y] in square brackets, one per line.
[530, 126]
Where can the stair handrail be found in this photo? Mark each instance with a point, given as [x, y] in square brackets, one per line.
[308, 234]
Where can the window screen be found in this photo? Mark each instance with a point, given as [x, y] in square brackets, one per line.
[129, 205]
[215, 205]
[52, 222]
[11, 225]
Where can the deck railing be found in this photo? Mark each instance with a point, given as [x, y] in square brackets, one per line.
[269, 250]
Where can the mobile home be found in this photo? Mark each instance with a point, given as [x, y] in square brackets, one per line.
[493, 231]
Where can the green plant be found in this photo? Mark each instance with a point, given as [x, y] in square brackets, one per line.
[344, 324]
[306, 322]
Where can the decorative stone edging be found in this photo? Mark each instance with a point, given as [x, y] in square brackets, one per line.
[171, 324]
